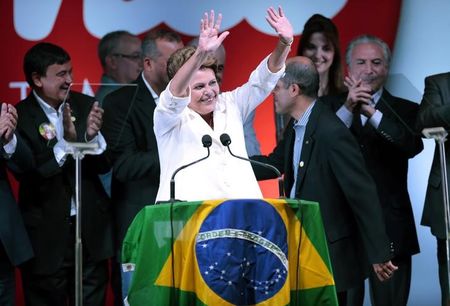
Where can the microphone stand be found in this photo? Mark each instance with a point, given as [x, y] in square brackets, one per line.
[280, 179]
[439, 134]
[172, 179]
[78, 150]
[207, 142]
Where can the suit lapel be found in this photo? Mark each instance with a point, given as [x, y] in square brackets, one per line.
[144, 102]
[38, 117]
[288, 156]
[36, 112]
[385, 98]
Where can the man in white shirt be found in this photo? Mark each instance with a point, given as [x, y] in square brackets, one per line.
[49, 118]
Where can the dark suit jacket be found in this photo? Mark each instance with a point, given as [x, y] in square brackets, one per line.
[435, 112]
[13, 235]
[46, 190]
[333, 174]
[128, 129]
[386, 151]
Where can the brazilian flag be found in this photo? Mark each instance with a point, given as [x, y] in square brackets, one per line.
[228, 252]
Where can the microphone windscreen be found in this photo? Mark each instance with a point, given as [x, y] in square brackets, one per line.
[225, 139]
[207, 141]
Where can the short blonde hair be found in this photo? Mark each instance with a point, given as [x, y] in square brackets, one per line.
[181, 56]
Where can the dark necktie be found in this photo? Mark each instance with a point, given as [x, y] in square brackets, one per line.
[356, 127]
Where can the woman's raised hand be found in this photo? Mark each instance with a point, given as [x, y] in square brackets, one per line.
[279, 22]
[209, 38]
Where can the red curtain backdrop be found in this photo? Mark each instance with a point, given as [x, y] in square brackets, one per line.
[245, 48]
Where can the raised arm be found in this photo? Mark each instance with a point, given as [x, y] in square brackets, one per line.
[209, 41]
[279, 22]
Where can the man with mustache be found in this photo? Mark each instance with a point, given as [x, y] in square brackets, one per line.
[383, 126]
[49, 117]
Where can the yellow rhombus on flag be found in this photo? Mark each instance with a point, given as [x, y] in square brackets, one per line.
[230, 252]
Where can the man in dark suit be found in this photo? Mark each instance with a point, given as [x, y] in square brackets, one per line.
[128, 129]
[321, 162]
[435, 112]
[384, 128]
[15, 247]
[49, 117]
[120, 55]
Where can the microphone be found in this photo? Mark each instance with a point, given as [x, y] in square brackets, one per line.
[207, 142]
[226, 141]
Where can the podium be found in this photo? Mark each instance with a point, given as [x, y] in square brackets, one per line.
[228, 252]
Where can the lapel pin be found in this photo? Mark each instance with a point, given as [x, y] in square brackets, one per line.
[47, 130]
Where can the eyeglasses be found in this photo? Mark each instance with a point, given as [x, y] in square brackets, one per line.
[134, 57]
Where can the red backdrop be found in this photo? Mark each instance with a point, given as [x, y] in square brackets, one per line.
[245, 48]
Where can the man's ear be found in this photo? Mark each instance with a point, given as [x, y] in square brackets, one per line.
[147, 62]
[36, 78]
[295, 90]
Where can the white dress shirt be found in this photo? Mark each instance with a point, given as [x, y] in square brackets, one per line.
[153, 93]
[10, 148]
[55, 118]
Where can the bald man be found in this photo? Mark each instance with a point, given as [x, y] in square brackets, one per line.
[322, 162]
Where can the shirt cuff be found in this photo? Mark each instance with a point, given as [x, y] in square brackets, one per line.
[376, 119]
[61, 153]
[173, 103]
[10, 147]
[100, 140]
[59, 150]
[345, 115]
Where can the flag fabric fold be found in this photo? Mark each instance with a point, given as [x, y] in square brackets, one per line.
[228, 252]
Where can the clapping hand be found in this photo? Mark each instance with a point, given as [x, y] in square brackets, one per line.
[358, 94]
[8, 123]
[94, 121]
[70, 133]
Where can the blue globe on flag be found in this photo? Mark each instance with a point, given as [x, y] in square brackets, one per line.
[241, 252]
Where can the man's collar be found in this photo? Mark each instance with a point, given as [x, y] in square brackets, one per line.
[303, 120]
[46, 106]
[154, 95]
[377, 95]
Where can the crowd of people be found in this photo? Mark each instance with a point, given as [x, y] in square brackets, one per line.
[346, 145]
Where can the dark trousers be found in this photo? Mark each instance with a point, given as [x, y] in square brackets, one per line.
[7, 280]
[395, 291]
[58, 288]
[116, 281]
[392, 292]
[355, 296]
[443, 273]
[342, 298]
